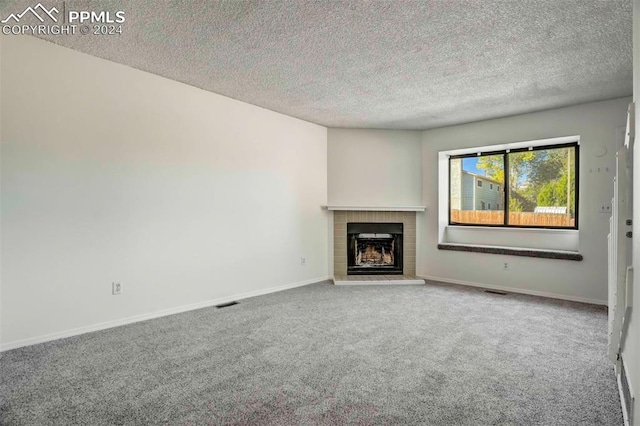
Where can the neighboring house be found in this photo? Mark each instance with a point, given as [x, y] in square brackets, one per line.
[470, 191]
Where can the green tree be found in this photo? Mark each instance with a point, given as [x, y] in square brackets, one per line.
[554, 194]
[521, 165]
[493, 167]
[515, 205]
[535, 177]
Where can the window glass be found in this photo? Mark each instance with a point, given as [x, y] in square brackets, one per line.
[471, 203]
[542, 188]
[541, 185]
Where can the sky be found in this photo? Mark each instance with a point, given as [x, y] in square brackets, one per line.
[469, 165]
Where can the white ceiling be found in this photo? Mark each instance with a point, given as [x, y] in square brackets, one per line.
[377, 64]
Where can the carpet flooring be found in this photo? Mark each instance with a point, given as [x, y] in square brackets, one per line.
[323, 354]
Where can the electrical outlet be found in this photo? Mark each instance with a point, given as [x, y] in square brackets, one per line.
[605, 208]
[303, 261]
[505, 266]
[116, 287]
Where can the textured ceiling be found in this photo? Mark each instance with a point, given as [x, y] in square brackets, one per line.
[377, 64]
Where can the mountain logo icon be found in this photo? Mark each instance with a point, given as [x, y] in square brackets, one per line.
[34, 11]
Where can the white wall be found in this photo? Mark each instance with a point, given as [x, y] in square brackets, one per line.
[599, 126]
[1, 96]
[110, 173]
[631, 352]
[374, 167]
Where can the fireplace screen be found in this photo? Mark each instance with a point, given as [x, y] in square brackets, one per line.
[374, 248]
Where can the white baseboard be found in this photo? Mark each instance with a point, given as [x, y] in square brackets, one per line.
[627, 416]
[151, 315]
[518, 290]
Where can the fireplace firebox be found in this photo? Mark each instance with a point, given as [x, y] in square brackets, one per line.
[374, 248]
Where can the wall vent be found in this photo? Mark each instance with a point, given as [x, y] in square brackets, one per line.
[224, 305]
[501, 293]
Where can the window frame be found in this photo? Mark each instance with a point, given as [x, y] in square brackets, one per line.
[505, 153]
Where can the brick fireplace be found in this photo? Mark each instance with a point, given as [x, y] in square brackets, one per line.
[407, 220]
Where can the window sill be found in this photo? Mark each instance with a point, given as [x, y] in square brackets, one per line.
[532, 230]
[513, 251]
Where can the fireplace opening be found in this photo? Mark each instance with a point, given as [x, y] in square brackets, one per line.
[374, 248]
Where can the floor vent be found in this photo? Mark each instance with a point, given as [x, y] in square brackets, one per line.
[501, 293]
[626, 395]
[224, 305]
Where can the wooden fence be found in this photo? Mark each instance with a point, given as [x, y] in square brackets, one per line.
[496, 217]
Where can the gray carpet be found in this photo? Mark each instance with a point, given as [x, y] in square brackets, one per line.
[321, 354]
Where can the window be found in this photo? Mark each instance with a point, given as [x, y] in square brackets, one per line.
[536, 187]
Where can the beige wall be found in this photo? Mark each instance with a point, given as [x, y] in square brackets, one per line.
[374, 167]
[631, 353]
[113, 174]
[599, 126]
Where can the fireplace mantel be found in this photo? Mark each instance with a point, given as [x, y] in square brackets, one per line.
[377, 208]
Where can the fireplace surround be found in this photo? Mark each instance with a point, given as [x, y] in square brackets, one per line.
[342, 217]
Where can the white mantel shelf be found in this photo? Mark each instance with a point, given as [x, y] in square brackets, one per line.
[378, 208]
